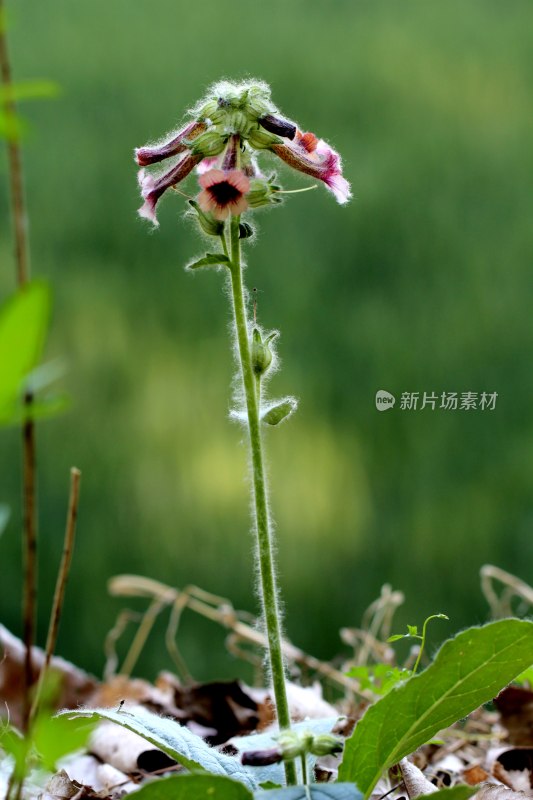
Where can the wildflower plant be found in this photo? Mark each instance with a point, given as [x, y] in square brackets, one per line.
[226, 142]
[231, 129]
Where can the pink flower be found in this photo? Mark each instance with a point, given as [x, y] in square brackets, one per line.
[223, 192]
[152, 187]
[317, 159]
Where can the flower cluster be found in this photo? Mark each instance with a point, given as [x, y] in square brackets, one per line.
[228, 128]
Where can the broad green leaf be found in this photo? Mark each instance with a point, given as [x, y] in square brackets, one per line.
[277, 412]
[314, 791]
[209, 260]
[173, 739]
[461, 792]
[193, 787]
[54, 737]
[23, 323]
[468, 670]
[275, 773]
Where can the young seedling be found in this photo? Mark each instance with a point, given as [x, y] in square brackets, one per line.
[412, 633]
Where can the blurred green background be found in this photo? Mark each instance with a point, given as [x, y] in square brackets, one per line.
[422, 283]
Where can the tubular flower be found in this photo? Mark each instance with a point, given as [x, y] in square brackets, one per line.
[153, 187]
[223, 192]
[233, 123]
[316, 158]
[151, 154]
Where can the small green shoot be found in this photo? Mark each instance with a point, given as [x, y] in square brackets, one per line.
[412, 633]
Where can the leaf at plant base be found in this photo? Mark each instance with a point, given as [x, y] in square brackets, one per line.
[193, 787]
[277, 412]
[314, 791]
[173, 739]
[209, 260]
[55, 737]
[462, 792]
[468, 670]
[275, 773]
[23, 323]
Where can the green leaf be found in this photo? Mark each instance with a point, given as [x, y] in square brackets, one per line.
[54, 737]
[462, 792]
[275, 773]
[315, 791]
[209, 260]
[277, 412]
[189, 787]
[173, 739]
[4, 517]
[23, 324]
[468, 670]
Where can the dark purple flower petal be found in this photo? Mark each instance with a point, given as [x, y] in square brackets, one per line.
[152, 154]
[278, 126]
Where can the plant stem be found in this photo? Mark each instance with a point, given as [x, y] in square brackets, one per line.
[22, 261]
[262, 522]
[61, 585]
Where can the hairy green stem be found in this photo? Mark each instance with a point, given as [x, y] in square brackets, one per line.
[262, 522]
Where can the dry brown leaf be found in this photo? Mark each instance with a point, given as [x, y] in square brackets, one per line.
[515, 705]
[493, 792]
[75, 686]
[415, 781]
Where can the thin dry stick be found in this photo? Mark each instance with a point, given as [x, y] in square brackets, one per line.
[513, 587]
[223, 614]
[61, 584]
[22, 261]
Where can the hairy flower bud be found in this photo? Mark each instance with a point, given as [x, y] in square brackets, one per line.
[262, 140]
[208, 144]
[325, 744]
[261, 353]
[290, 744]
[262, 193]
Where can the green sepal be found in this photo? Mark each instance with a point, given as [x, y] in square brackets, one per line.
[280, 411]
[209, 260]
[207, 222]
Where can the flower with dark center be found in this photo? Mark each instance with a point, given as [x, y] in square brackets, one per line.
[224, 192]
[232, 124]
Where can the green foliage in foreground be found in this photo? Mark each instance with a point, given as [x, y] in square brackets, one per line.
[451, 793]
[217, 788]
[469, 670]
[23, 325]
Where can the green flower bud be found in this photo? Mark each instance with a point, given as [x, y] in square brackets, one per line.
[262, 140]
[262, 193]
[290, 745]
[261, 353]
[207, 222]
[207, 110]
[325, 744]
[257, 103]
[208, 144]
